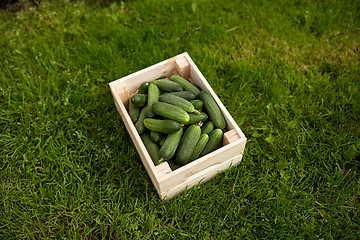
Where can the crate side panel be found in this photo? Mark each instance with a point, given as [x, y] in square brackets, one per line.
[198, 78]
[144, 155]
[219, 156]
[200, 177]
[133, 81]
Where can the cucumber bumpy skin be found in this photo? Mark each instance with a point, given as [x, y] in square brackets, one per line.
[188, 86]
[139, 125]
[177, 101]
[171, 143]
[171, 111]
[195, 118]
[156, 136]
[173, 166]
[162, 140]
[207, 128]
[204, 138]
[163, 126]
[198, 104]
[153, 94]
[183, 94]
[213, 110]
[187, 144]
[215, 141]
[139, 100]
[144, 88]
[134, 112]
[152, 148]
[167, 85]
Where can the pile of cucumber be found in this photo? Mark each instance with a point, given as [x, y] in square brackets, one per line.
[177, 122]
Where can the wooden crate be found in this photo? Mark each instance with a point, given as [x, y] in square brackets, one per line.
[169, 183]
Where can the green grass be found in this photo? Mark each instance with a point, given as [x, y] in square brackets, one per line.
[287, 71]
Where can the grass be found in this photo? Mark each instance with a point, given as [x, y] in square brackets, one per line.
[287, 71]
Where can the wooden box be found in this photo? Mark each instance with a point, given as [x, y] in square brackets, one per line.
[169, 183]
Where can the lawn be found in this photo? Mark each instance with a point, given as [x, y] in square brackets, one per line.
[287, 71]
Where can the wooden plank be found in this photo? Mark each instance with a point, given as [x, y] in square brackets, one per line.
[200, 80]
[181, 175]
[230, 136]
[200, 177]
[133, 81]
[144, 155]
[163, 169]
[234, 138]
[182, 66]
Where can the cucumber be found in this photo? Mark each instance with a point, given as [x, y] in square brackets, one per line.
[177, 101]
[167, 85]
[134, 112]
[188, 86]
[171, 143]
[153, 94]
[173, 165]
[184, 94]
[164, 126]
[197, 86]
[140, 124]
[215, 141]
[144, 88]
[204, 138]
[152, 148]
[187, 144]
[139, 100]
[195, 118]
[149, 113]
[162, 77]
[213, 110]
[156, 136]
[170, 111]
[198, 104]
[162, 140]
[207, 128]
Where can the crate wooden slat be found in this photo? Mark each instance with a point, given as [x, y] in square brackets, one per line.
[170, 183]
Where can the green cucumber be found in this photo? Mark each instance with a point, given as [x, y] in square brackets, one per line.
[134, 112]
[197, 86]
[153, 94]
[144, 88]
[140, 124]
[173, 166]
[151, 147]
[162, 77]
[195, 118]
[170, 111]
[213, 110]
[164, 126]
[198, 104]
[184, 94]
[215, 142]
[171, 143]
[139, 100]
[207, 127]
[187, 144]
[167, 85]
[177, 101]
[204, 138]
[156, 136]
[188, 86]
[162, 140]
[149, 113]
